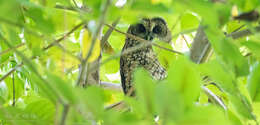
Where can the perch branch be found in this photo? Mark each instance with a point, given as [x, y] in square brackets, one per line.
[142, 40]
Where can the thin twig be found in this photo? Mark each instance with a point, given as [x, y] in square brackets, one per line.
[64, 114]
[75, 3]
[9, 49]
[13, 91]
[63, 37]
[81, 9]
[214, 98]
[108, 33]
[185, 40]
[143, 40]
[11, 71]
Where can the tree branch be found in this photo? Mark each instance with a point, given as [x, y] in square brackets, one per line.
[108, 33]
[64, 114]
[10, 49]
[13, 91]
[142, 40]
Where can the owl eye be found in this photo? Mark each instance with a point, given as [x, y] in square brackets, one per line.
[140, 28]
[157, 29]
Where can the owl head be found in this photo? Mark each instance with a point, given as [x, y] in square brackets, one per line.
[150, 28]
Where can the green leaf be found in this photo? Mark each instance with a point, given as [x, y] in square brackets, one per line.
[242, 106]
[44, 109]
[223, 78]
[61, 87]
[204, 115]
[169, 104]
[228, 52]
[233, 26]
[253, 82]
[145, 89]
[189, 21]
[185, 79]
[93, 101]
[42, 22]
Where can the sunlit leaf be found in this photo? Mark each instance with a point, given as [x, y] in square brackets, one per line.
[86, 44]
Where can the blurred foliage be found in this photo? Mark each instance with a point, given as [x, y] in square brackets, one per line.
[43, 85]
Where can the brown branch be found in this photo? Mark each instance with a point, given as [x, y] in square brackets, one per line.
[64, 114]
[10, 49]
[13, 91]
[200, 47]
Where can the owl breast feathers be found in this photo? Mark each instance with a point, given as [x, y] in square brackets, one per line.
[145, 57]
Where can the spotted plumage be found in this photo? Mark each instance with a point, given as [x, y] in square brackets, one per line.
[145, 57]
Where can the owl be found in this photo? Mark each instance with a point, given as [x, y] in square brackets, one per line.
[145, 57]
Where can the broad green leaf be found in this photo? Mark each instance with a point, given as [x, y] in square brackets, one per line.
[184, 78]
[241, 106]
[233, 26]
[95, 107]
[169, 104]
[42, 22]
[63, 88]
[228, 52]
[204, 115]
[189, 21]
[111, 66]
[11, 11]
[234, 118]
[145, 89]
[43, 109]
[253, 82]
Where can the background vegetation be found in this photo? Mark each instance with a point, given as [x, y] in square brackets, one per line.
[59, 63]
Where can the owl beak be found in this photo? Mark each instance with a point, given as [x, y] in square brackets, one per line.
[149, 36]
